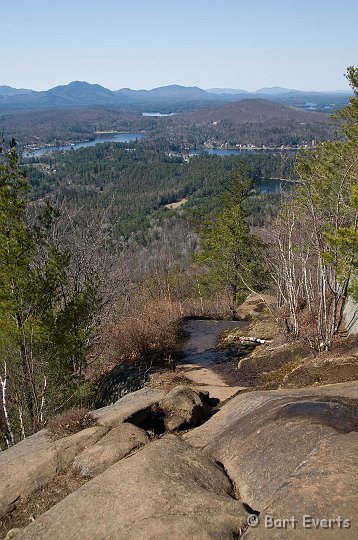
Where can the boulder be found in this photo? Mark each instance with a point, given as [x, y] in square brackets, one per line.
[182, 406]
[289, 452]
[166, 490]
[117, 444]
[134, 408]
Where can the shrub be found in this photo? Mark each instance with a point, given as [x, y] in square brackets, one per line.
[153, 331]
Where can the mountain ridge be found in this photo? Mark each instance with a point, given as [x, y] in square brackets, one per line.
[84, 94]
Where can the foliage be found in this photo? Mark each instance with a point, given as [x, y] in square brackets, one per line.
[228, 250]
[46, 322]
[316, 235]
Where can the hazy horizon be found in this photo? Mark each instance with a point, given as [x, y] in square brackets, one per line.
[305, 46]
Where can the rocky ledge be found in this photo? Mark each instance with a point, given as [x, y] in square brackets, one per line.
[180, 465]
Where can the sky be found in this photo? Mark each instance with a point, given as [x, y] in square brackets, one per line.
[301, 44]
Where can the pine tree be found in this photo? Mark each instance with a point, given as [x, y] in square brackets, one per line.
[228, 250]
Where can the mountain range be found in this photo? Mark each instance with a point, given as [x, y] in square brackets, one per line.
[174, 97]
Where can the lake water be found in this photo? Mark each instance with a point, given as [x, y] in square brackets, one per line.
[266, 185]
[158, 114]
[116, 137]
[271, 186]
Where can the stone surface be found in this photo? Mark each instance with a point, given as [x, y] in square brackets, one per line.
[201, 375]
[289, 452]
[117, 444]
[67, 448]
[322, 487]
[134, 408]
[166, 490]
[25, 467]
[220, 393]
[33, 462]
[182, 406]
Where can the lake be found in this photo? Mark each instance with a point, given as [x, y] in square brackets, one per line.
[116, 137]
[158, 114]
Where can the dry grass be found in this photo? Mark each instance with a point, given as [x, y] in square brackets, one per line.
[168, 380]
[70, 422]
[32, 507]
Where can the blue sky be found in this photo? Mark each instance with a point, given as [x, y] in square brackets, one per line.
[303, 44]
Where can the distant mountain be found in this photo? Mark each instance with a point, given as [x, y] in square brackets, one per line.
[131, 93]
[10, 91]
[74, 94]
[171, 92]
[253, 110]
[274, 90]
[230, 91]
[171, 98]
[80, 90]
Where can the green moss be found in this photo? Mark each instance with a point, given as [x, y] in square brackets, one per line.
[276, 377]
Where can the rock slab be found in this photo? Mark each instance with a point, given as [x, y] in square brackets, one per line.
[166, 490]
[117, 444]
[289, 453]
[35, 461]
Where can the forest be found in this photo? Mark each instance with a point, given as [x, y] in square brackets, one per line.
[96, 270]
[256, 121]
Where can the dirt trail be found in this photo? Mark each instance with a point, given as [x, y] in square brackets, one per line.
[200, 352]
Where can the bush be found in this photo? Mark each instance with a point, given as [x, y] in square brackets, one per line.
[153, 331]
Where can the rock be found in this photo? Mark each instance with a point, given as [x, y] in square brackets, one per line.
[166, 490]
[67, 448]
[35, 461]
[289, 452]
[256, 305]
[134, 408]
[117, 444]
[182, 406]
[12, 533]
[25, 467]
[324, 487]
[220, 393]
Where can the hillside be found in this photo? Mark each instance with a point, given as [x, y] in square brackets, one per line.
[69, 125]
[254, 110]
